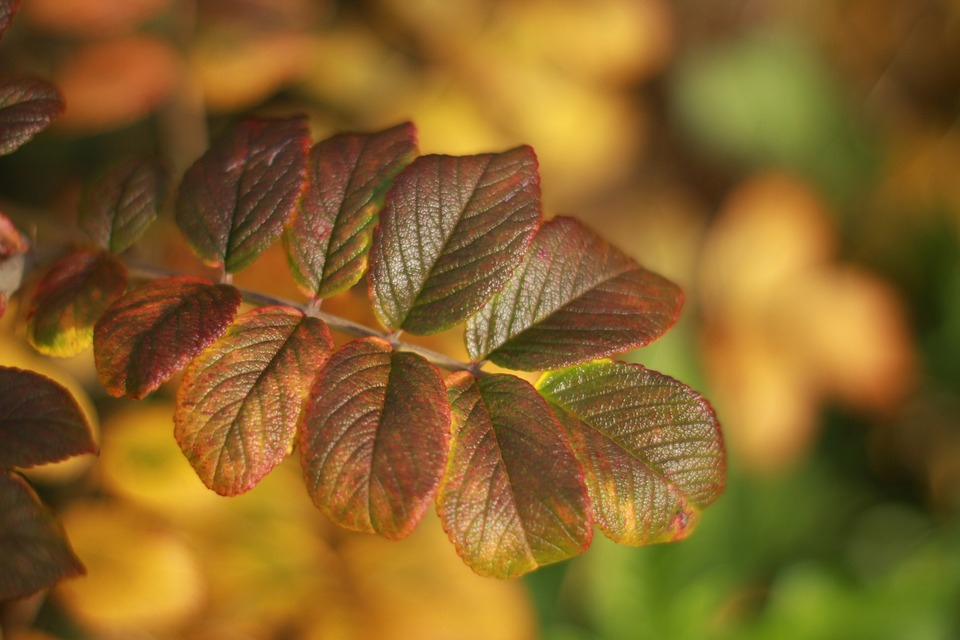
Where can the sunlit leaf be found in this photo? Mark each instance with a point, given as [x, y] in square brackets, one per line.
[574, 298]
[70, 299]
[512, 497]
[154, 331]
[8, 8]
[39, 421]
[239, 402]
[374, 438]
[651, 448]
[451, 232]
[329, 238]
[36, 554]
[236, 198]
[122, 202]
[27, 106]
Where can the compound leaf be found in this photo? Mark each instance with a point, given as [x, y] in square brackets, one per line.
[328, 240]
[651, 448]
[512, 497]
[239, 402]
[70, 299]
[36, 554]
[40, 421]
[451, 232]
[235, 200]
[574, 298]
[27, 106]
[374, 438]
[154, 331]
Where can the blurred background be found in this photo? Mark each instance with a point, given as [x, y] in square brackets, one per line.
[793, 164]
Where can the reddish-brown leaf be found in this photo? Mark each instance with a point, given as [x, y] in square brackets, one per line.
[27, 106]
[328, 240]
[239, 402]
[154, 331]
[235, 200]
[8, 8]
[451, 232]
[374, 438]
[70, 299]
[512, 497]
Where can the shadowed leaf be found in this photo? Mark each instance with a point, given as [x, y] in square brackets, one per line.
[328, 240]
[651, 448]
[451, 232]
[235, 200]
[70, 299]
[40, 422]
[512, 497]
[36, 554]
[574, 298]
[374, 438]
[239, 402]
[154, 331]
[27, 106]
[8, 8]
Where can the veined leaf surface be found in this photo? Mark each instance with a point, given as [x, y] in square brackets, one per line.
[651, 448]
[574, 298]
[70, 299]
[8, 8]
[27, 106]
[512, 497]
[240, 400]
[235, 200]
[328, 239]
[40, 422]
[374, 438]
[451, 232]
[155, 330]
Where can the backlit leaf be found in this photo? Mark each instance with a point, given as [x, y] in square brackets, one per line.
[574, 298]
[512, 497]
[8, 8]
[121, 203]
[374, 438]
[154, 331]
[239, 402]
[451, 232]
[36, 554]
[329, 238]
[27, 106]
[235, 199]
[70, 299]
[651, 448]
[40, 421]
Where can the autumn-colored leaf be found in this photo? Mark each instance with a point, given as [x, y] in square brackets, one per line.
[235, 200]
[155, 330]
[239, 402]
[120, 204]
[512, 497]
[70, 299]
[329, 238]
[451, 232]
[8, 8]
[36, 554]
[651, 448]
[27, 106]
[573, 299]
[40, 421]
[13, 246]
[374, 438]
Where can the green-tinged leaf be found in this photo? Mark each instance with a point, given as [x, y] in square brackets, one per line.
[451, 232]
[651, 448]
[328, 240]
[154, 331]
[119, 205]
[374, 438]
[574, 298]
[512, 497]
[70, 299]
[8, 8]
[27, 106]
[235, 200]
[239, 402]
[35, 552]
[13, 249]
[40, 422]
